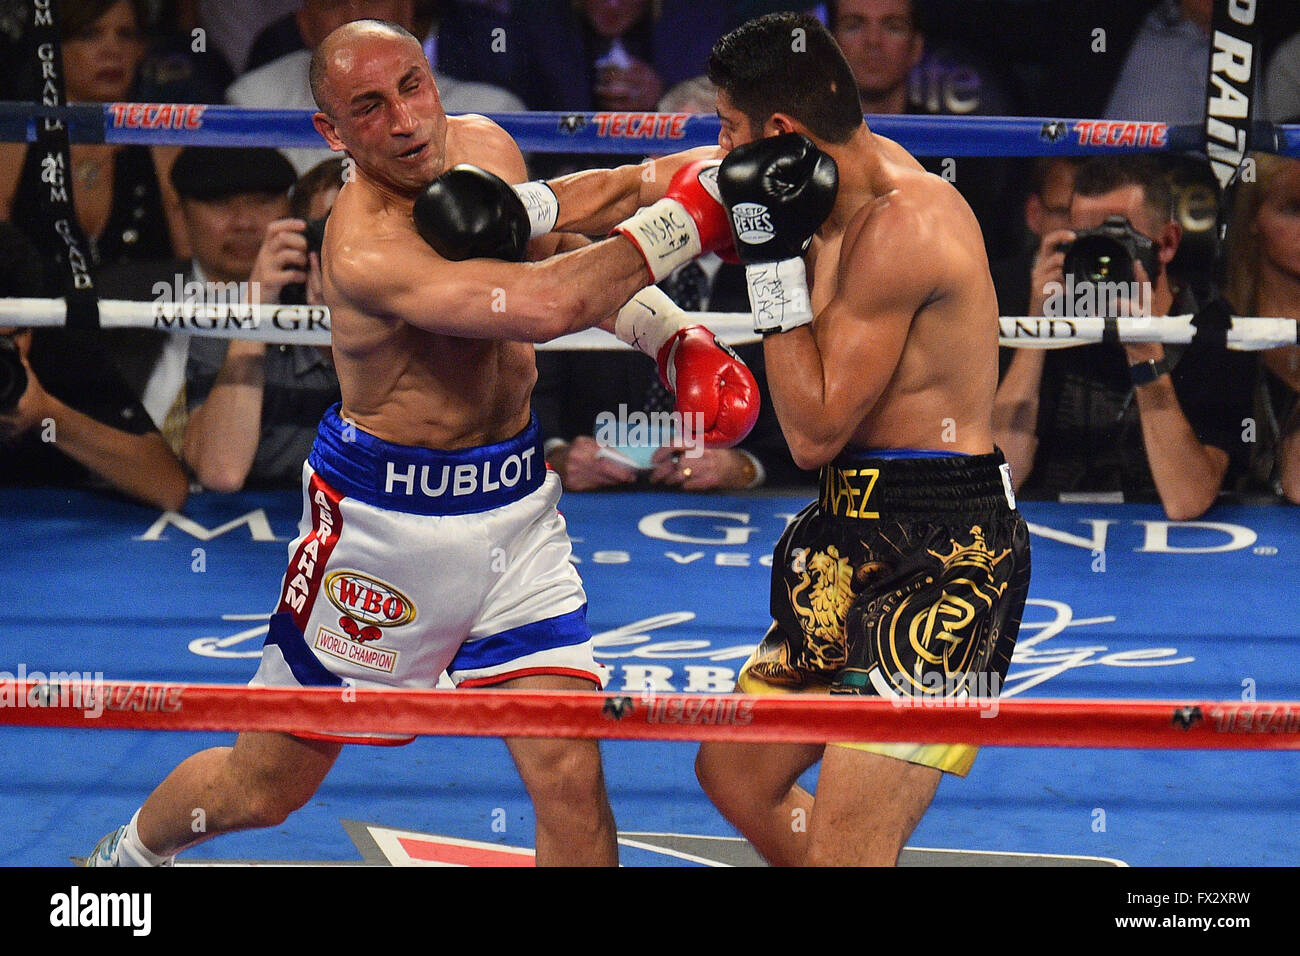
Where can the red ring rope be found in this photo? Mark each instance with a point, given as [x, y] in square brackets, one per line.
[1212, 725]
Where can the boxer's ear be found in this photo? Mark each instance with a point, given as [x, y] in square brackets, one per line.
[779, 124]
[328, 131]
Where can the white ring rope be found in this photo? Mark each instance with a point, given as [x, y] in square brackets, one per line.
[309, 325]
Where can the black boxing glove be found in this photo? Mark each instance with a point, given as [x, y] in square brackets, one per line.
[470, 213]
[778, 191]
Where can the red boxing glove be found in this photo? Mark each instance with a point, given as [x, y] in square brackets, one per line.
[711, 382]
[688, 221]
[695, 186]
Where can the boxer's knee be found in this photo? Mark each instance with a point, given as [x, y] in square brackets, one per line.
[270, 777]
[561, 775]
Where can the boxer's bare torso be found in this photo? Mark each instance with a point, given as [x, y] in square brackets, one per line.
[431, 352]
[907, 315]
[399, 380]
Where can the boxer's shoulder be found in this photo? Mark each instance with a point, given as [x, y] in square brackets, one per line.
[477, 140]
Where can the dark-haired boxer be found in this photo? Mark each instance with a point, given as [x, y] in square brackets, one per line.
[907, 578]
[430, 538]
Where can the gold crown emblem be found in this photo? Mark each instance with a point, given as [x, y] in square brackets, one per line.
[975, 553]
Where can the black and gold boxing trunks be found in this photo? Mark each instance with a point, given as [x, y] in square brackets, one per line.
[906, 579]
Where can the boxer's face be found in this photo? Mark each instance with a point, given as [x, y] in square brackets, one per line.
[737, 128]
[1278, 221]
[386, 111]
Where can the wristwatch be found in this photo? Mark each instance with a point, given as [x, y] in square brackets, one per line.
[1144, 373]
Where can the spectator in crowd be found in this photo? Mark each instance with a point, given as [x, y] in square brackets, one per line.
[254, 407]
[883, 44]
[618, 37]
[1047, 209]
[123, 202]
[283, 83]
[1263, 278]
[545, 51]
[181, 66]
[227, 197]
[66, 418]
[1281, 84]
[231, 26]
[887, 50]
[526, 48]
[1137, 421]
[1166, 69]
[575, 387]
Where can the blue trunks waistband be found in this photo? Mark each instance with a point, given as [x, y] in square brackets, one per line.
[427, 481]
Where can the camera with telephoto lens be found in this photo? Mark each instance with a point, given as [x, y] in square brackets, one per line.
[296, 294]
[13, 377]
[1107, 253]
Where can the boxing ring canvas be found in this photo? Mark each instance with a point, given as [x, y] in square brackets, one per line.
[1123, 604]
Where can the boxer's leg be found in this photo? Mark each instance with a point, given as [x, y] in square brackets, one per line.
[755, 787]
[256, 783]
[867, 807]
[575, 825]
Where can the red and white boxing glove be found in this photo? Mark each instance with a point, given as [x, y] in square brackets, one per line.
[706, 376]
[689, 221]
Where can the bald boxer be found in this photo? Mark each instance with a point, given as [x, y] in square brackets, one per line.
[907, 578]
[430, 539]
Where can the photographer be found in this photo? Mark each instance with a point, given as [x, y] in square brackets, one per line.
[1136, 422]
[66, 417]
[254, 407]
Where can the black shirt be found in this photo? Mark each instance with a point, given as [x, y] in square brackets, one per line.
[75, 368]
[1089, 430]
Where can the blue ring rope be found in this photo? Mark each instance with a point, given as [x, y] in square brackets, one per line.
[179, 124]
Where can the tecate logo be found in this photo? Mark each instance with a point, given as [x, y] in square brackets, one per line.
[752, 222]
[368, 599]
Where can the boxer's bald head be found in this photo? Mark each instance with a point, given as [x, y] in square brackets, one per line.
[379, 103]
[338, 52]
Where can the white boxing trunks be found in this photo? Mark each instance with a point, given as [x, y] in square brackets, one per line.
[412, 561]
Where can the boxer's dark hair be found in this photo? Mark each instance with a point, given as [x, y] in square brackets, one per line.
[1105, 174]
[788, 63]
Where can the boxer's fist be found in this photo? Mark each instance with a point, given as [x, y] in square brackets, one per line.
[688, 221]
[710, 380]
[695, 186]
[470, 213]
[778, 191]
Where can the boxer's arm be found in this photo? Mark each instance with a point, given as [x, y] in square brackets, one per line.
[552, 244]
[402, 278]
[827, 376]
[594, 201]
